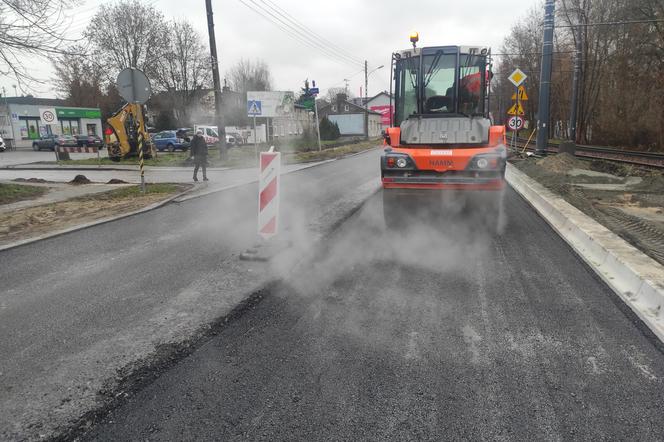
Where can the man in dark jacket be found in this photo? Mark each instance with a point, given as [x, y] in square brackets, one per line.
[199, 151]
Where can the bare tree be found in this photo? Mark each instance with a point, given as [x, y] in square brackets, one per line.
[185, 64]
[77, 79]
[184, 69]
[129, 34]
[249, 75]
[621, 69]
[30, 28]
[331, 95]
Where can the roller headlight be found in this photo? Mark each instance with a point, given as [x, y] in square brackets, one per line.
[401, 163]
[482, 163]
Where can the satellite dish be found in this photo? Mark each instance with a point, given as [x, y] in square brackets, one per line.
[133, 85]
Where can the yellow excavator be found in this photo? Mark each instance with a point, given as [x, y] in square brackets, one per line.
[125, 132]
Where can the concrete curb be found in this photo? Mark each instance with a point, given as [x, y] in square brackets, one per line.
[636, 278]
[94, 223]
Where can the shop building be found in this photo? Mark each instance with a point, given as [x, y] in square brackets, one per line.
[22, 119]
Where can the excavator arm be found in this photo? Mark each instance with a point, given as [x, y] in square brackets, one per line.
[125, 132]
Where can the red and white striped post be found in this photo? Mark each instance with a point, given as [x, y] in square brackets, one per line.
[268, 193]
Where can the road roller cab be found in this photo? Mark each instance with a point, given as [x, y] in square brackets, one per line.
[441, 137]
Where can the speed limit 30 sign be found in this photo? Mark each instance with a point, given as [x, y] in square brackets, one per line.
[515, 123]
[48, 116]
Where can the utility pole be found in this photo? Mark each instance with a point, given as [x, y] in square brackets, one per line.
[221, 131]
[545, 78]
[575, 86]
[366, 100]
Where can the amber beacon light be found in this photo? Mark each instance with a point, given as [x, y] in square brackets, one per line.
[414, 37]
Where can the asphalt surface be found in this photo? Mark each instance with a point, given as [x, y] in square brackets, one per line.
[24, 156]
[79, 310]
[441, 331]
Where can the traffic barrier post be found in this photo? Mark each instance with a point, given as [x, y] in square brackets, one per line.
[140, 161]
[268, 193]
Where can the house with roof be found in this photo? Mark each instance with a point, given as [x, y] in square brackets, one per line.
[351, 118]
[381, 103]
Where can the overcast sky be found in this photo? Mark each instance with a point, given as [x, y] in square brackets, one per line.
[361, 29]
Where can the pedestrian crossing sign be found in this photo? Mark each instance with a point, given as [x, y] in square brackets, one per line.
[254, 108]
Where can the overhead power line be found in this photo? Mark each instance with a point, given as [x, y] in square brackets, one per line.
[294, 28]
[529, 53]
[297, 34]
[311, 32]
[609, 23]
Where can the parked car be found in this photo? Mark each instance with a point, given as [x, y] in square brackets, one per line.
[187, 133]
[212, 137]
[3, 146]
[168, 140]
[89, 141]
[51, 140]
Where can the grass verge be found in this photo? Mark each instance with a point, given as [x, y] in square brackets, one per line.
[36, 221]
[10, 193]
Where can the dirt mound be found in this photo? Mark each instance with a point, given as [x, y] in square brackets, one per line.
[116, 181]
[611, 167]
[561, 163]
[31, 180]
[653, 183]
[80, 179]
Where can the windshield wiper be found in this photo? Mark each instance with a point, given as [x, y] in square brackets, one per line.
[434, 65]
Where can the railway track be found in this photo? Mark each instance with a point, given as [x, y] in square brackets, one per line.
[645, 159]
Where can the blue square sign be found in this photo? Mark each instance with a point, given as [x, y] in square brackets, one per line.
[254, 108]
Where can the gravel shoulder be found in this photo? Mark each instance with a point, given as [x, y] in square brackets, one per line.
[627, 200]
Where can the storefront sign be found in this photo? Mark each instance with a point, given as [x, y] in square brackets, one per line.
[385, 111]
[68, 112]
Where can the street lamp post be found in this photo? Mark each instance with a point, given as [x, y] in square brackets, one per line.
[366, 96]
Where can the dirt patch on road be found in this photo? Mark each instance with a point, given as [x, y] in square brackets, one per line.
[627, 200]
[40, 220]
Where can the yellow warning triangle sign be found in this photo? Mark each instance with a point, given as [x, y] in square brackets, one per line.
[522, 94]
[516, 110]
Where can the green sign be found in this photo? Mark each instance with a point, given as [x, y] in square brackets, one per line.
[77, 112]
[308, 103]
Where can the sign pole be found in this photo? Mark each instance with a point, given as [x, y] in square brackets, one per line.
[317, 123]
[255, 138]
[515, 135]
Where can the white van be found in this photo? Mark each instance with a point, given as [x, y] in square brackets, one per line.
[211, 134]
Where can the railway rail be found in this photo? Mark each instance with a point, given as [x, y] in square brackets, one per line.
[645, 159]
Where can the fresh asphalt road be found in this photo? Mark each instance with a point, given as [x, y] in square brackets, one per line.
[76, 308]
[443, 331]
